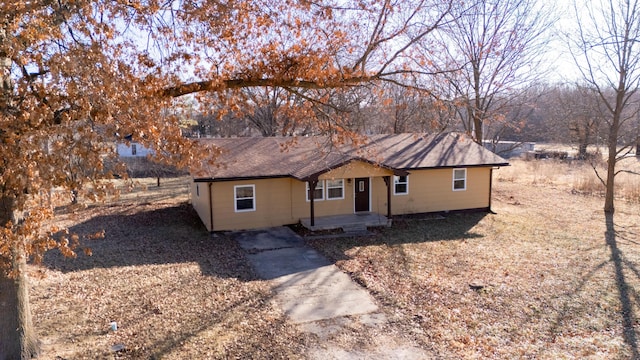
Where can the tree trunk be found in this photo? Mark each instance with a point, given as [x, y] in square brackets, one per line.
[18, 339]
[478, 108]
[611, 174]
[74, 196]
[582, 149]
[17, 336]
[612, 144]
[477, 121]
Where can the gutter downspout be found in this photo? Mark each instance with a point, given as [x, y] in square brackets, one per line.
[211, 206]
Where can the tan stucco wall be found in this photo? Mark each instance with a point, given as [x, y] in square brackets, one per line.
[200, 202]
[272, 203]
[432, 190]
[283, 201]
[355, 169]
[302, 207]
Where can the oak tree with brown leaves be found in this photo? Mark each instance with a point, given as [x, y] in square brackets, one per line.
[77, 76]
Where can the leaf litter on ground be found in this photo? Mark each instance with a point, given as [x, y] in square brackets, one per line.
[549, 285]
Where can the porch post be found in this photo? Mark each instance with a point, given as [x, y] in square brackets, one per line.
[312, 189]
[387, 181]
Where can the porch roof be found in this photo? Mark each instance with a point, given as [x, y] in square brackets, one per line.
[306, 158]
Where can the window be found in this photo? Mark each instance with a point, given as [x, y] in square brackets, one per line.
[335, 189]
[318, 194]
[198, 190]
[459, 179]
[134, 149]
[244, 198]
[400, 185]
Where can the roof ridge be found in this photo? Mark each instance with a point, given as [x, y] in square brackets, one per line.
[306, 156]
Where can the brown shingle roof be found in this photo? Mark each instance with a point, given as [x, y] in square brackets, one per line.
[305, 158]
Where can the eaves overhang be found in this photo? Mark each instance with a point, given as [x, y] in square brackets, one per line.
[314, 176]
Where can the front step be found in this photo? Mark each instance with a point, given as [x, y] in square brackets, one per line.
[357, 228]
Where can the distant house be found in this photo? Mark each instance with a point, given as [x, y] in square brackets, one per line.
[509, 149]
[263, 182]
[132, 149]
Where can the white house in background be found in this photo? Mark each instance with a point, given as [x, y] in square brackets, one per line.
[132, 149]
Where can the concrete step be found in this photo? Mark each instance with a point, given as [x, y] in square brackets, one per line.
[354, 228]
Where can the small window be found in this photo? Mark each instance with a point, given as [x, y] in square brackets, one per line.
[318, 193]
[198, 190]
[459, 179]
[335, 189]
[400, 185]
[245, 198]
[134, 149]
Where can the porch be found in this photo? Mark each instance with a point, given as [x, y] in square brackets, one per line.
[348, 222]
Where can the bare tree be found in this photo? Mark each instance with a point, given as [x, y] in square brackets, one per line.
[227, 125]
[583, 115]
[267, 109]
[496, 47]
[402, 108]
[606, 51]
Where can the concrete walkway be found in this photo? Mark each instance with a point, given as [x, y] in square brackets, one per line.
[323, 300]
[308, 287]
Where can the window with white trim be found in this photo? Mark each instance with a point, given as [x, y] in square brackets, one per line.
[459, 179]
[335, 189]
[318, 193]
[245, 198]
[400, 185]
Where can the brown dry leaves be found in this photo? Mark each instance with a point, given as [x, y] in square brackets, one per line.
[174, 291]
[548, 284]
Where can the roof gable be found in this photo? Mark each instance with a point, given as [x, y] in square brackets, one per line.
[306, 158]
[358, 168]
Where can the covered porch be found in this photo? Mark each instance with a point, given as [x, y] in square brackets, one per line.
[347, 222]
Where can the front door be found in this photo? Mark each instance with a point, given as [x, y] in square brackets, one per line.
[362, 194]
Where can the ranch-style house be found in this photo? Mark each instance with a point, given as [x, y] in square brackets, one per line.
[272, 181]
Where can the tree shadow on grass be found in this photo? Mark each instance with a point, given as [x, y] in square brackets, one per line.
[226, 299]
[155, 236]
[627, 294]
[453, 226]
[624, 289]
[408, 230]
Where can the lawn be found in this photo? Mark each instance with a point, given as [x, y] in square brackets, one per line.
[174, 292]
[544, 277]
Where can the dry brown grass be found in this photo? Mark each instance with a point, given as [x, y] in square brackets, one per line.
[174, 292]
[577, 176]
[546, 282]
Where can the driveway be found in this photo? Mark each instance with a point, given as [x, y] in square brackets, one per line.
[308, 286]
[321, 299]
